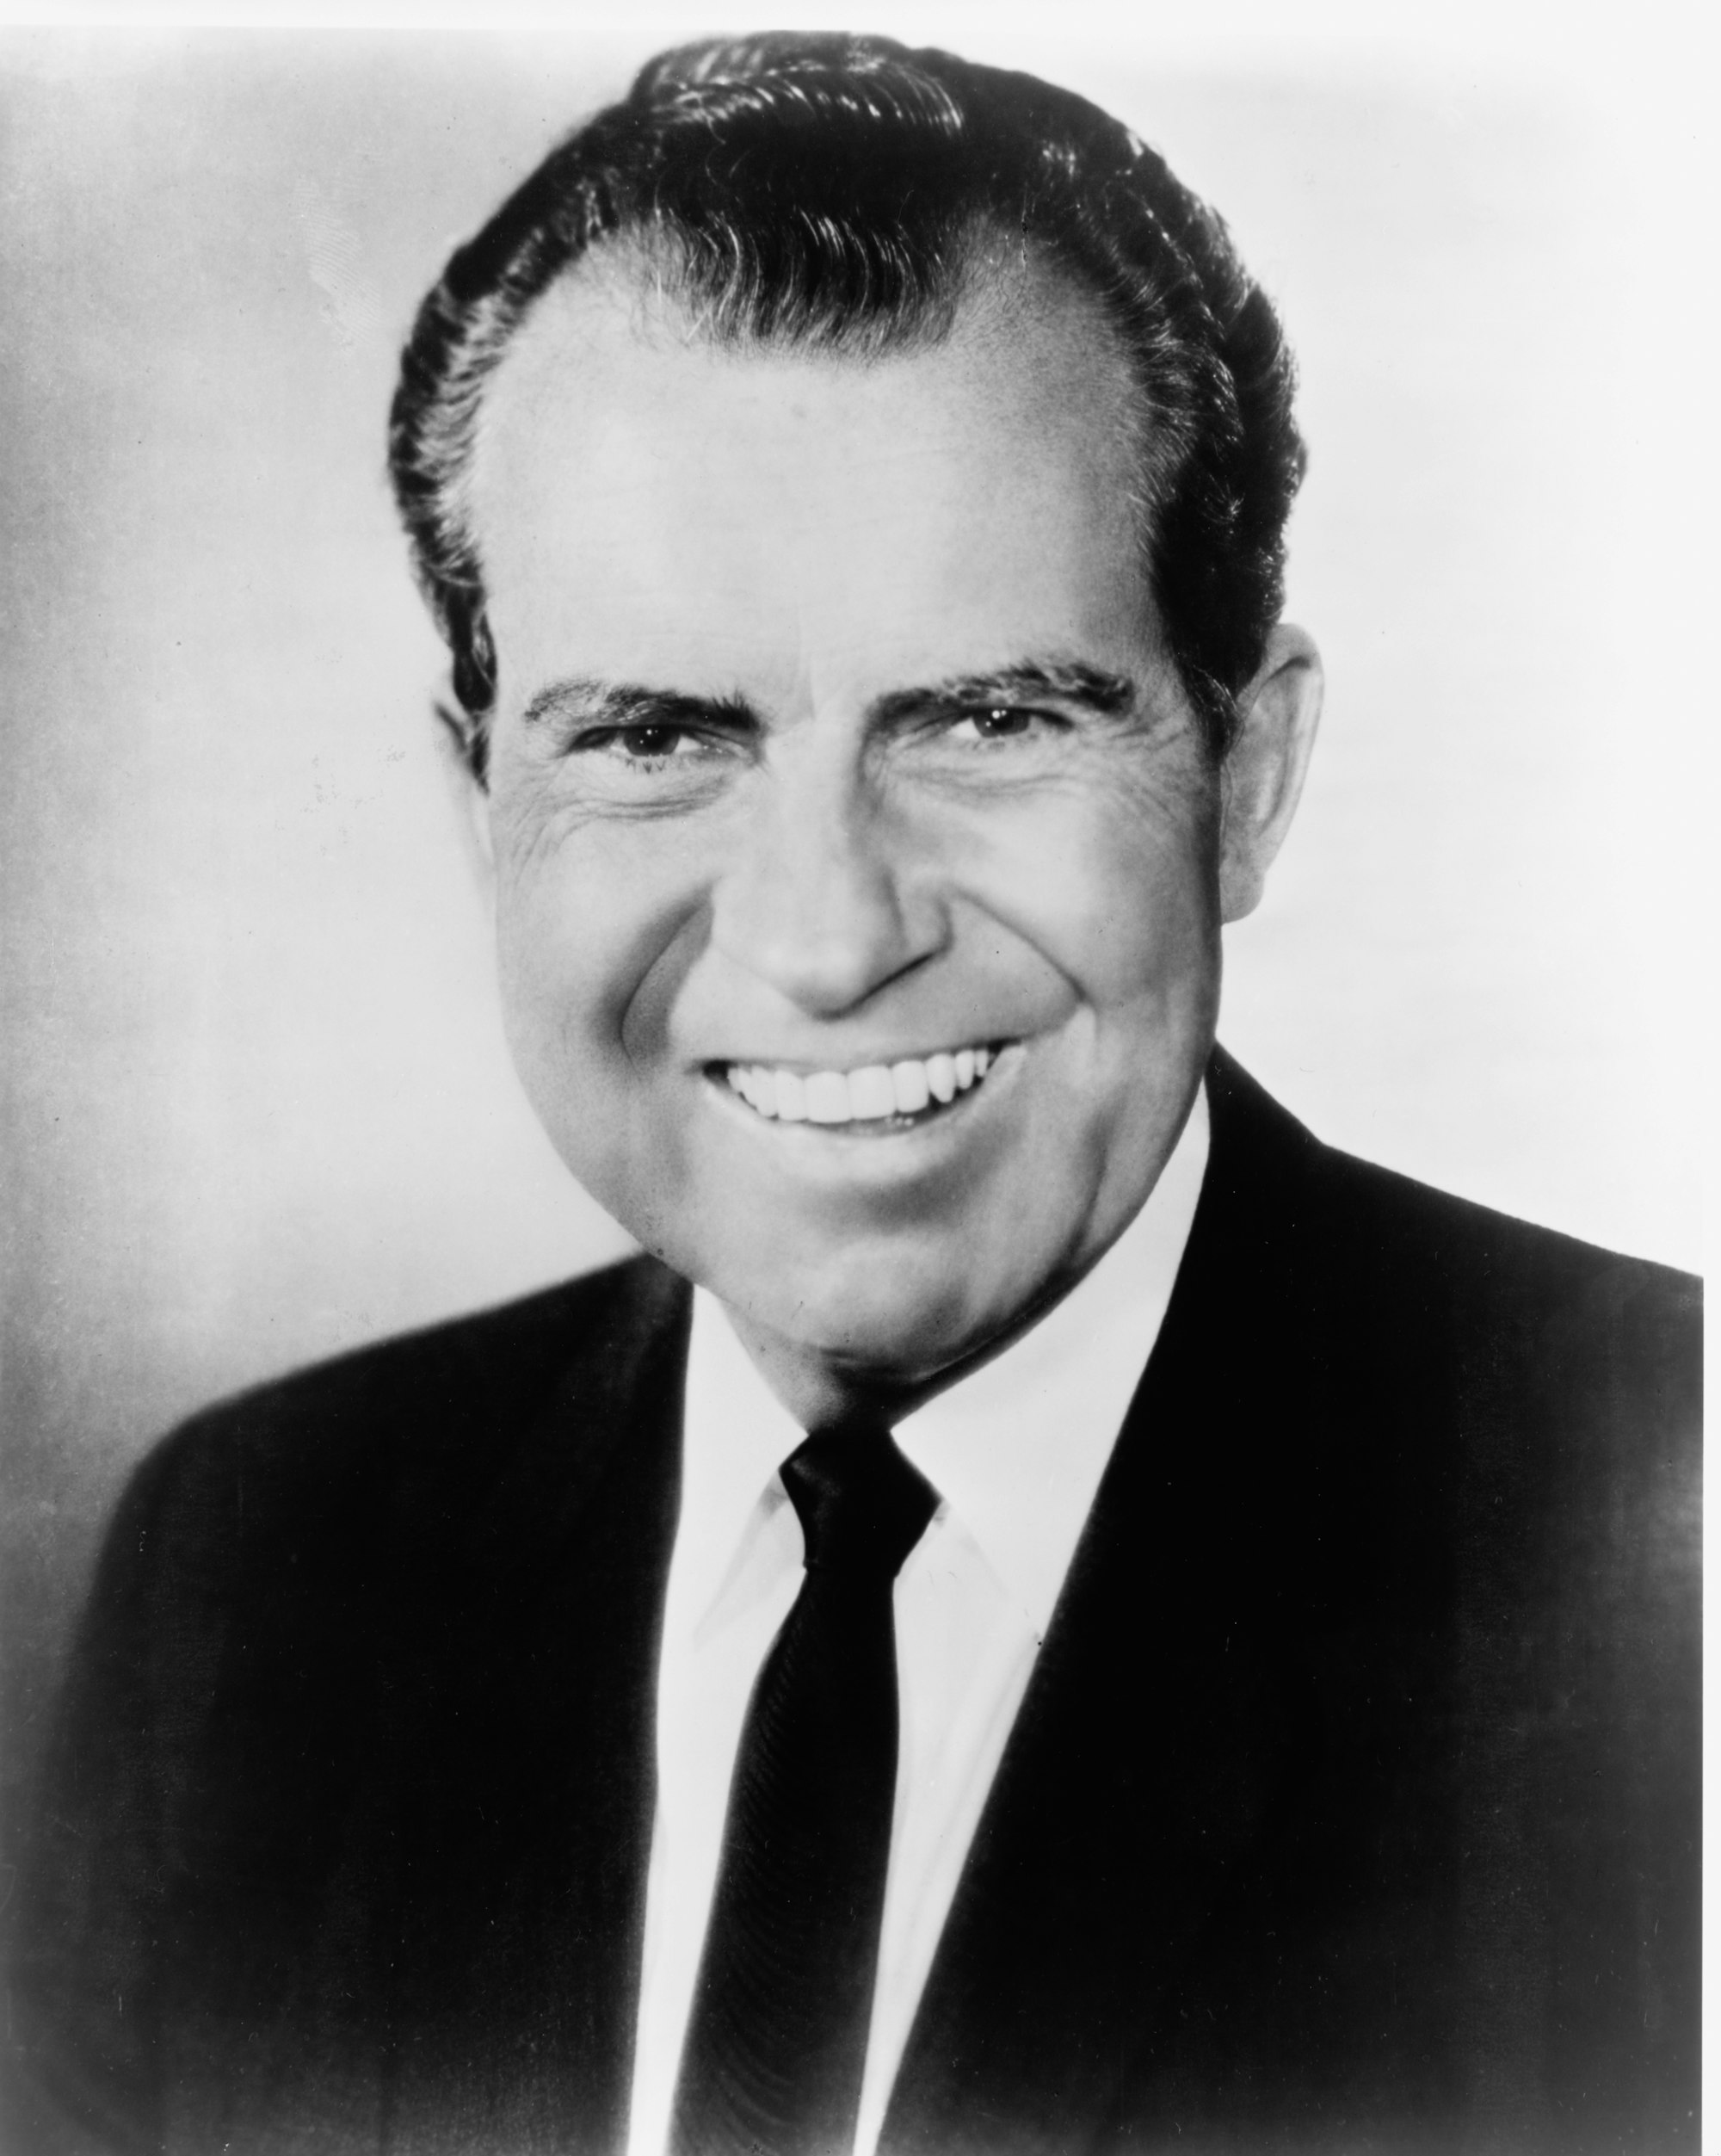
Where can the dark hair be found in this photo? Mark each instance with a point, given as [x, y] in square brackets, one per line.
[835, 191]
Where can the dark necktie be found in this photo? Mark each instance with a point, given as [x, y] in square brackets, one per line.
[777, 2039]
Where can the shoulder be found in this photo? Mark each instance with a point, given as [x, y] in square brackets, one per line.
[1390, 1244]
[1571, 1375]
[503, 1357]
[289, 1558]
[1508, 1418]
[327, 1459]
[1526, 1404]
[321, 1593]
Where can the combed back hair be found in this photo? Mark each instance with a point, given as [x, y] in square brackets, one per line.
[841, 194]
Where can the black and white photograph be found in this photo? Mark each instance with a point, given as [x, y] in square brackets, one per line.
[853, 1082]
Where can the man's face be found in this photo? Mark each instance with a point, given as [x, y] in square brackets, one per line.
[837, 761]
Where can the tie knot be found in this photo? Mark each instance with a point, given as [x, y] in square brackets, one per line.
[862, 1505]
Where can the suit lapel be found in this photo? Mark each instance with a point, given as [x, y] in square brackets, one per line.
[501, 1834]
[1158, 1729]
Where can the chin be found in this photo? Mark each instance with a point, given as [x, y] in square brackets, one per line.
[903, 1316]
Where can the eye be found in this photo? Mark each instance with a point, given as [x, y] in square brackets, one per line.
[661, 763]
[1003, 722]
[651, 744]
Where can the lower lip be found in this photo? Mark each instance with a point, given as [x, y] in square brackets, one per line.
[1005, 1061]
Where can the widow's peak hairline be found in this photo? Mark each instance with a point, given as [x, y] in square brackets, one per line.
[1000, 285]
[705, 165]
[988, 272]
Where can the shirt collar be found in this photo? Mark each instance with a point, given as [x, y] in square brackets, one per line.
[1016, 1450]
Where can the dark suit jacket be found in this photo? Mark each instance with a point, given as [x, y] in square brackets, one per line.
[1353, 1804]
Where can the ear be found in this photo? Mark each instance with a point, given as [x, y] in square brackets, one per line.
[1263, 771]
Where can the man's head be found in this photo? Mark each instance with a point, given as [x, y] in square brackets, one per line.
[852, 485]
[842, 194]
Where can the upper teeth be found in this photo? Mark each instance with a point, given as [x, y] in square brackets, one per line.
[863, 1095]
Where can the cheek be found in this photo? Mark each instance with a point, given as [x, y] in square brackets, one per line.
[583, 994]
[591, 934]
[1154, 939]
[553, 1000]
[1118, 888]
[569, 972]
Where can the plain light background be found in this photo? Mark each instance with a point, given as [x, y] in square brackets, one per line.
[256, 1106]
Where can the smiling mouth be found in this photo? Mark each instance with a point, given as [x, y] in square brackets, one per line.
[876, 1097]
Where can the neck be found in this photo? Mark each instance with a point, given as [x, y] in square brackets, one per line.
[820, 1391]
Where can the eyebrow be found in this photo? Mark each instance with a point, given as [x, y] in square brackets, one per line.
[1064, 680]
[633, 704]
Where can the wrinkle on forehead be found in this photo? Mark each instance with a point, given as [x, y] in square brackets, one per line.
[809, 527]
[1011, 305]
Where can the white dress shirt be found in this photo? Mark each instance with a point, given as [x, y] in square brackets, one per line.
[1016, 1452]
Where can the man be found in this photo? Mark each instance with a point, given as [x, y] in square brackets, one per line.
[1048, 1609]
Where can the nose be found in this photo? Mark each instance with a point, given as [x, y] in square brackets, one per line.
[824, 898]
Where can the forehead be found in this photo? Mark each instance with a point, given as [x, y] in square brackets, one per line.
[640, 490]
